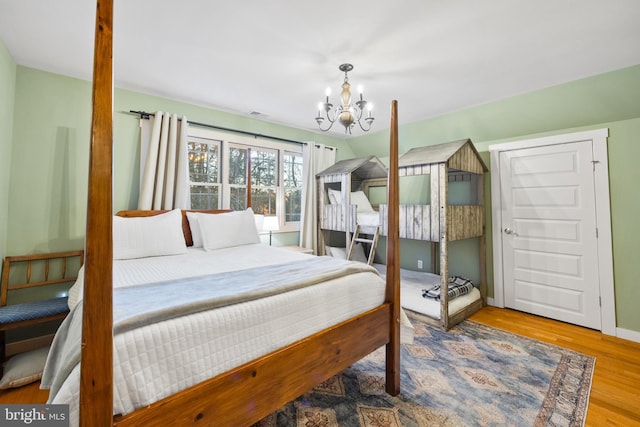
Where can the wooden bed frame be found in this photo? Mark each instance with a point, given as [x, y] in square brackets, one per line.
[247, 393]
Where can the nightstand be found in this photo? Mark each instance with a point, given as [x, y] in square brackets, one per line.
[299, 249]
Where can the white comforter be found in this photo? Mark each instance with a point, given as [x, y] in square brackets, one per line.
[163, 358]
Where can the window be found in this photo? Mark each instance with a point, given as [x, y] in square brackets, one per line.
[264, 180]
[237, 166]
[292, 177]
[218, 171]
[204, 173]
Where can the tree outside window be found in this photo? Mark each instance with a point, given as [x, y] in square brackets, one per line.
[292, 183]
[264, 181]
[204, 173]
[238, 178]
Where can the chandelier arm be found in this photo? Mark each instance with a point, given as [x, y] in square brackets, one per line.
[332, 114]
[369, 120]
[331, 118]
[359, 110]
[327, 128]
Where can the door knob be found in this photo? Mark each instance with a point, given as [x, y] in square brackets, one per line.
[508, 231]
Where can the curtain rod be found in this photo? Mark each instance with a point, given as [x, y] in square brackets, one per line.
[146, 115]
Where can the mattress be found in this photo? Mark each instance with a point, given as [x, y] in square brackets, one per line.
[413, 282]
[369, 219]
[158, 360]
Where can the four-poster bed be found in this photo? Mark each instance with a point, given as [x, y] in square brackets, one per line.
[244, 394]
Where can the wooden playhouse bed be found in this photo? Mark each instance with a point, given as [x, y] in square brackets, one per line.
[440, 221]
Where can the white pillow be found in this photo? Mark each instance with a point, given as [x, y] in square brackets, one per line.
[194, 225]
[24, 368]
[358, 253]
[359, 198]
[228, 229]
[148, 236]
[335, 196]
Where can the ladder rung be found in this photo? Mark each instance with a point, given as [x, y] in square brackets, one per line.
[359, 239]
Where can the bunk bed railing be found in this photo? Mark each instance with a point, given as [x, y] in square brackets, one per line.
[337, 218]
[422, 222]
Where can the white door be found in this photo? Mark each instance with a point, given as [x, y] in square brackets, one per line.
[548, 230]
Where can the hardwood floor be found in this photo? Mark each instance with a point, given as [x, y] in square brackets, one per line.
[615, 392]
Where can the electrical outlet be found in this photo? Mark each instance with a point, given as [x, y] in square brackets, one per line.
[420, 264]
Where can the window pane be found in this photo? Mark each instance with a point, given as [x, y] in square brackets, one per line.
[263, 168]
[238, 198]
[237, 166]
[292, 173]
[203, 162]
[292, 205]
[292, 177]
[204, 197]
[263, 201]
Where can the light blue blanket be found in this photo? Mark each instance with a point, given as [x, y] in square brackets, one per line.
[136, 306]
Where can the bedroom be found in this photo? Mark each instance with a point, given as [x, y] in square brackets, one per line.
[53, 218]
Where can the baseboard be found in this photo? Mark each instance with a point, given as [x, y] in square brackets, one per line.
[628, 334]
[30, 344]
[490, 301]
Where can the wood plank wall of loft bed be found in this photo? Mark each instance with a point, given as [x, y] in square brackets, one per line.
[198, 405]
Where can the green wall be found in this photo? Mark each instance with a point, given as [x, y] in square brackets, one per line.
[609, 100]
[7, 89]
[44, 206]
[49, 160]
[47, 197]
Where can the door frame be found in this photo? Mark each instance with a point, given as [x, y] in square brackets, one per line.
[603, 215]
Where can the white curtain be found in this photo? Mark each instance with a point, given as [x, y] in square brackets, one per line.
[317, 157]
[164, 180]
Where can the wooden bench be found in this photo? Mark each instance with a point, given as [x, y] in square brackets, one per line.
[28, 271]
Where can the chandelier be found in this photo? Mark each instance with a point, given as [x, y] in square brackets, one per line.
[348, 115]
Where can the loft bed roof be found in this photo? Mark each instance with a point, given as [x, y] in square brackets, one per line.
[459, 155]
[368, 167]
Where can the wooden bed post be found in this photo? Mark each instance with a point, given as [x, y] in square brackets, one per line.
[96, 386]
[393, 259]
[443, 236]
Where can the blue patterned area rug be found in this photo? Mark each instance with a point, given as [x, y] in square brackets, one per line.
[472, 375]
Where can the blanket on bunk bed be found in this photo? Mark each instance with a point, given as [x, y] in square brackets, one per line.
[457, 286]
[141, 305]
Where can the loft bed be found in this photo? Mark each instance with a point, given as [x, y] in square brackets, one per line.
[343, 197]
[440, 222]
[243, 394]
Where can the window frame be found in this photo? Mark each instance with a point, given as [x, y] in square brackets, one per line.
[283, 183]
[219, 183]
[230, 139]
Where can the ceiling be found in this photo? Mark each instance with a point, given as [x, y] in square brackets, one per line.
[275, 58]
